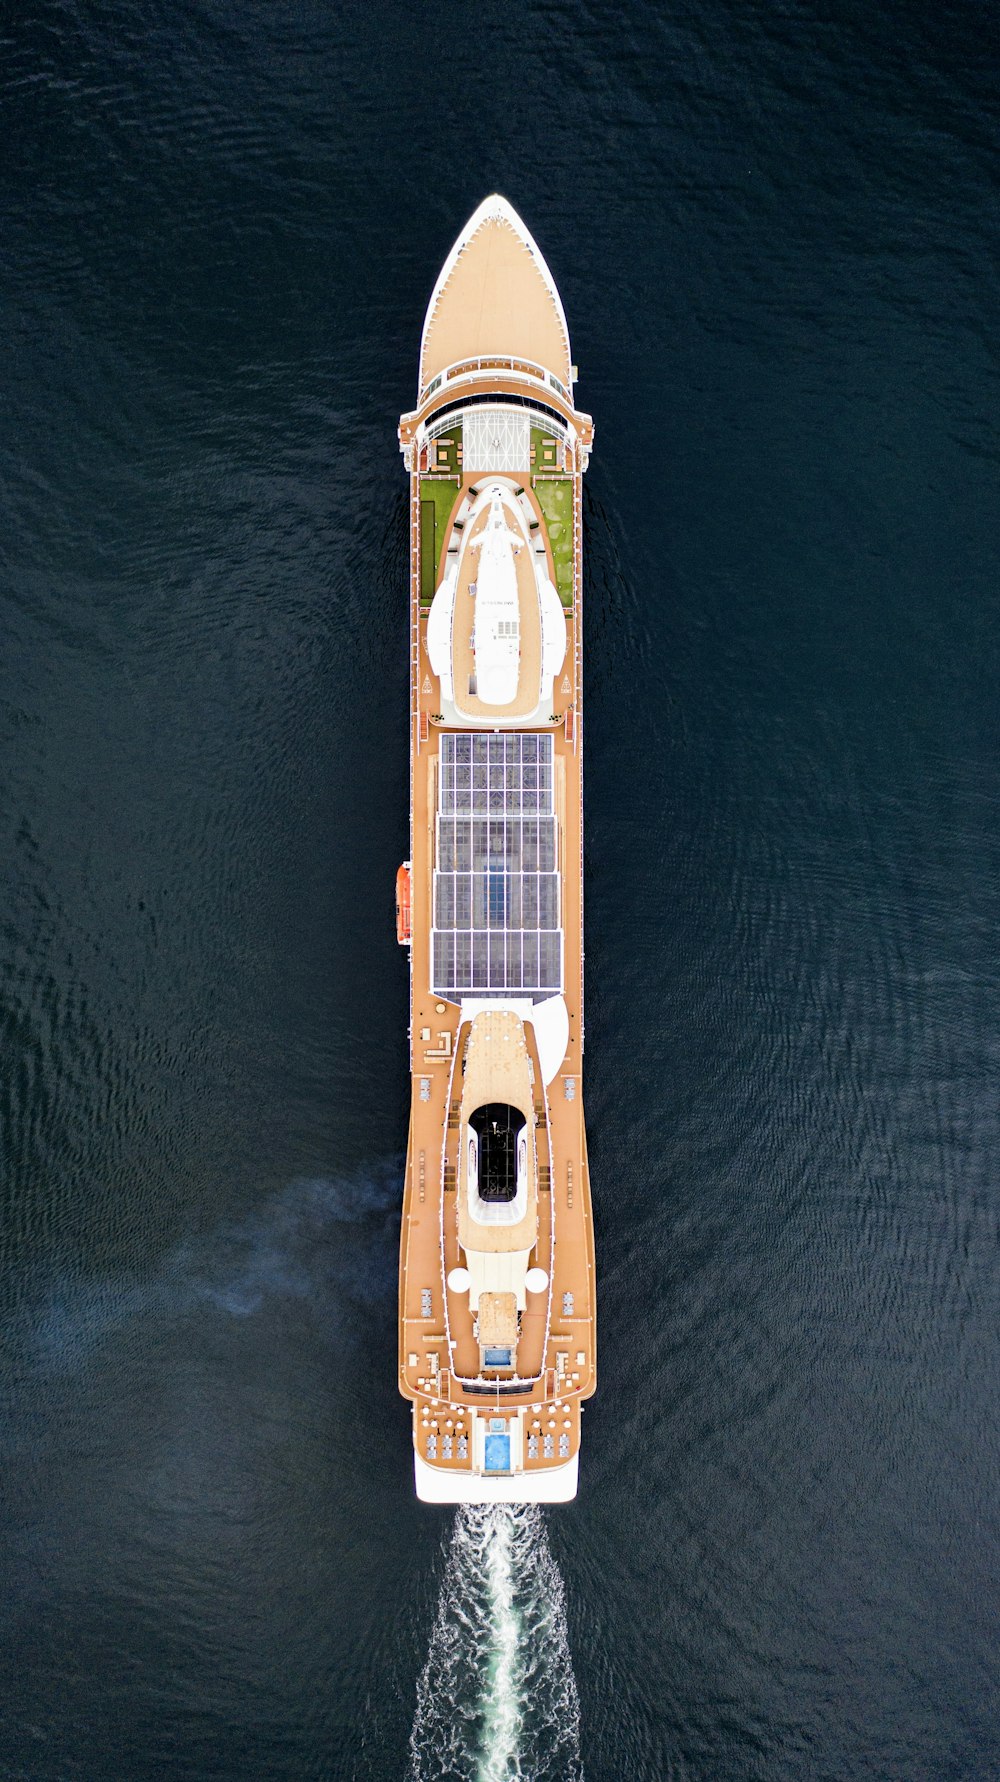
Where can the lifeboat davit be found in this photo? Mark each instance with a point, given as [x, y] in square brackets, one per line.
[403, 904]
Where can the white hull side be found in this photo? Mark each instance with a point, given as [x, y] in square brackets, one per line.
[438, 1485]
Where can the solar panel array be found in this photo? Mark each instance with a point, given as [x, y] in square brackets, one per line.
[496, 888]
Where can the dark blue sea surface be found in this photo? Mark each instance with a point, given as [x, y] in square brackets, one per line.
[775, 230]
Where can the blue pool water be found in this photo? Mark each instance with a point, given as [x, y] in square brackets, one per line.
[498, 1453]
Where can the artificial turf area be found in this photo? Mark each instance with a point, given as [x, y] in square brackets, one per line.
[442, 494]
[438, 496]
[555, 498]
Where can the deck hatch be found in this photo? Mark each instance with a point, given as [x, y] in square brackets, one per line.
[496, 928]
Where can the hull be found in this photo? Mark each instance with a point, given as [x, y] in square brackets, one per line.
[497, 1312]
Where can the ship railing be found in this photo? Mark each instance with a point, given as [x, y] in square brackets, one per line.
[461, 1039]
[414, 635]
[525, 370]
[488, 362]
[446, 423]
[544, 1384]
[579, 466]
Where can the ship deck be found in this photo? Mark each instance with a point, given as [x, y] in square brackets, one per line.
[467, 703]
[535, 1409]
[558, 1329]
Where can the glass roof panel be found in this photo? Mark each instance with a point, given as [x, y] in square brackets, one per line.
[496, 887]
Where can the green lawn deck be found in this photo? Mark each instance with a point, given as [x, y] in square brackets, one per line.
[450, 442]
[438, 496]
[554, 495]
[542, 442]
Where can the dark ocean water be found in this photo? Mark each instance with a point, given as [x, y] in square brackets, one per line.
[775, 229]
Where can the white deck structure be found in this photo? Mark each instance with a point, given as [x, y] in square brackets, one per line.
[496, 631]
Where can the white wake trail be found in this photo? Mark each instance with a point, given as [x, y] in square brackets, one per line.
[503, 1714]
[497, 1699]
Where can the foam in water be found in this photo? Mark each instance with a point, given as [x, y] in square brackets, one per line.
[497, 1699]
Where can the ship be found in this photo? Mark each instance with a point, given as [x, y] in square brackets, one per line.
[497, 1302]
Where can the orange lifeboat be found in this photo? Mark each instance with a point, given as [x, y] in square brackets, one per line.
[403, 904]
